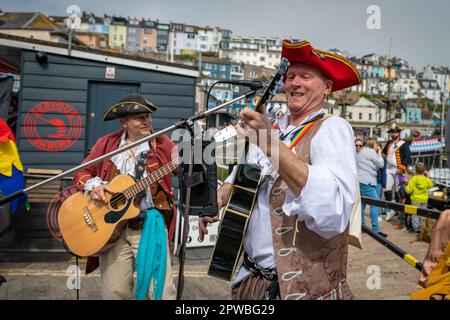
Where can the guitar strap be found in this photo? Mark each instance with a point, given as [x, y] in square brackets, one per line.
[300, 133]
[140, 165]
[297, 131]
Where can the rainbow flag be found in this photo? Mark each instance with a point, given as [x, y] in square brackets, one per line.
[11, 176]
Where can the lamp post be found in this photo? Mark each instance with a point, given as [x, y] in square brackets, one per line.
[443, 98]
[72, 22]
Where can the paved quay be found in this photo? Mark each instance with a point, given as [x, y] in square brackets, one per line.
[374, 273]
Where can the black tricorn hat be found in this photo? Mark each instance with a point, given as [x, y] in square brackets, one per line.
[395, 128]
[130, 104]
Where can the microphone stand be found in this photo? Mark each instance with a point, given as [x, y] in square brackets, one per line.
[178, 125]
[185, 227]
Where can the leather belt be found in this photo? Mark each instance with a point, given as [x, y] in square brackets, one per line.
[257, 270]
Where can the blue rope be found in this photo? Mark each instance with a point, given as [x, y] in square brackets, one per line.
[151, 257]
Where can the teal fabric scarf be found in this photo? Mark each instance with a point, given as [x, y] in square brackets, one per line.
[151, 257]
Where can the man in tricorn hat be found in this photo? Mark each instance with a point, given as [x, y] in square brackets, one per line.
[132, 240]
[297, 237]
[398, 157]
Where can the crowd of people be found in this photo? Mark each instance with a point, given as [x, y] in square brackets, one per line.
[387, 174]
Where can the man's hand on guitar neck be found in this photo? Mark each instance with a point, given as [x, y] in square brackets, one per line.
[223, 194]
[258, 129]
[98, 193]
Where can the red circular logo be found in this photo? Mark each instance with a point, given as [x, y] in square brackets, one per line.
[52, 126]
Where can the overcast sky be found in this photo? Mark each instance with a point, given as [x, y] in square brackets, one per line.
[419, 29]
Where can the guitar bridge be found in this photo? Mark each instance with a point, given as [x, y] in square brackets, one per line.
[89, 220]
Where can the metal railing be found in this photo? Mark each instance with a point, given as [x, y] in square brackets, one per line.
[399, 252]
[407, 209]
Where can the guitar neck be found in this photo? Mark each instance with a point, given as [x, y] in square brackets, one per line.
[274, 86]
[144, 183]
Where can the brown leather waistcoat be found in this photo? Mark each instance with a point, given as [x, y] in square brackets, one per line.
[308, 265]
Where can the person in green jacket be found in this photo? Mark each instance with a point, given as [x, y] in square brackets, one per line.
[418, 187]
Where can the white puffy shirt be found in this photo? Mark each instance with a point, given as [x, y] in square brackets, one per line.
[325, 202]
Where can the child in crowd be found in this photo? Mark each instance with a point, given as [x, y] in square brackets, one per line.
[418, 187]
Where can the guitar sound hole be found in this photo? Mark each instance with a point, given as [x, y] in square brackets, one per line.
[117, 201]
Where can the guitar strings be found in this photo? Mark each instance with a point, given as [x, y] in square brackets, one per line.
[122, 196]
[155, 178]
[137, 185]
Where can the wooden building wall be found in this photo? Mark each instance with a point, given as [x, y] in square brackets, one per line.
[67, 79]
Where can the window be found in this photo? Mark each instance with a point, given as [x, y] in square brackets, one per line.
[252, 74]
[350, 114]
[145, 40]
[207, 66]
[360, 116]
[262, 59]
[370, 116]
[223, 68]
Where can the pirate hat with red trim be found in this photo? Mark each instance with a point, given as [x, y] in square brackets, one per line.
[334, 67]
[130, 104]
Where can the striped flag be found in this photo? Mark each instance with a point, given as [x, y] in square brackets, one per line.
[11, 176]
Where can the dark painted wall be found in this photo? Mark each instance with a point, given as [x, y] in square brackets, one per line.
[67, 79]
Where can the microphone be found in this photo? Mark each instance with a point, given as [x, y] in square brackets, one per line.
[252, 84]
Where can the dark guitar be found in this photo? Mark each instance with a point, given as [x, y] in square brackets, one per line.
[240, 205]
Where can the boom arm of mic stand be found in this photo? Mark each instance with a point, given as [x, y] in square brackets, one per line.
[382, 123]
[178, 125]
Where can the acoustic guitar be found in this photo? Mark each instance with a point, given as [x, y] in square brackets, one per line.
[238, 210]
[87, 225]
